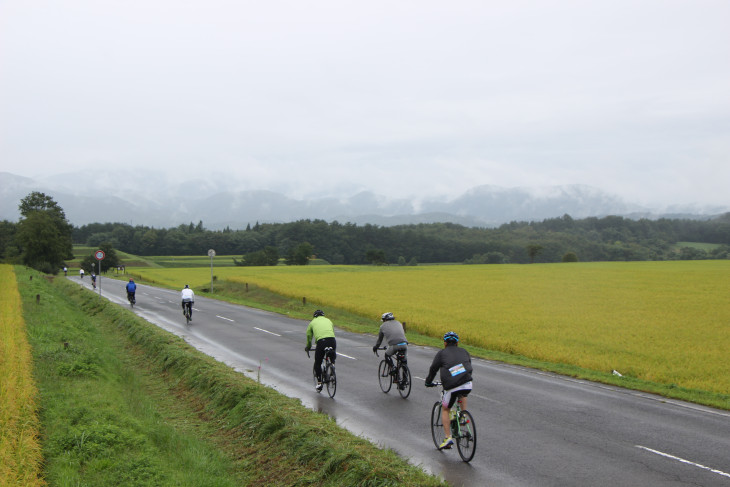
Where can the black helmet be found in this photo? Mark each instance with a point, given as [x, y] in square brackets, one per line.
[186, 286]
[387, 316]
[319, 312]
[451, 336]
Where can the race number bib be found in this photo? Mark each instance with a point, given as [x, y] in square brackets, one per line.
[457, 369]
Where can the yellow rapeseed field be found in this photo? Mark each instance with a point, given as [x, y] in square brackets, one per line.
[20, 454]
[667, 322]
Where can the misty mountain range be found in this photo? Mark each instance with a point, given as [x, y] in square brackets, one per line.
[101, 197]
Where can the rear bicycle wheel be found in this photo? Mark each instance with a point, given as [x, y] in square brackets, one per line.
[437, 426]
[384, 377]
[404, 381]
[466, 440]
[331, 380]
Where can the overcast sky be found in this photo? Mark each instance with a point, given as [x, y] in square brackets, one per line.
[399, 97]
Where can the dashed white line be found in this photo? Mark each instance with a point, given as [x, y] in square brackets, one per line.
[682, 460]
[266, 331]
[224, 318]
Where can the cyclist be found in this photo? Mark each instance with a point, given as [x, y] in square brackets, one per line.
[81, 273]
[392, 331]
[454, 365]
[93, 280]
[188, 299]
[131, 289]
[323, 332]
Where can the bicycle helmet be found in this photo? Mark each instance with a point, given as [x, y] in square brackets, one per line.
[186, 286]
[451, 336]
[319, 312]
[387, 316]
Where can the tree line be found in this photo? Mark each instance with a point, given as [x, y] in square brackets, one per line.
[562, 239]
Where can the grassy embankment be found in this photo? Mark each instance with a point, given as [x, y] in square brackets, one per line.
[20, 451]
[124, 403]
[662, 325]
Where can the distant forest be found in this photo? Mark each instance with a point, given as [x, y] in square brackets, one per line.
[611, 238]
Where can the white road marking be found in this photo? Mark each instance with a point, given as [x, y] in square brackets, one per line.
[346, 356]
[224, 318]
[672, 457]
[265, 331]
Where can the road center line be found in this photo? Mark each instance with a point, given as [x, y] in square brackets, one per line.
[266, 331]
[224, 318]
[672, 457]
[346, 356]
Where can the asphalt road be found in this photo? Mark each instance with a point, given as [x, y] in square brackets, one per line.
[533, 428]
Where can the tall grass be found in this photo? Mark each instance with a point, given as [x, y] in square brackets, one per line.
[20, 452]
[663, 322]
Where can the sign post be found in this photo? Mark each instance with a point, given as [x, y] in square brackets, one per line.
[99, 256]
[211, 254]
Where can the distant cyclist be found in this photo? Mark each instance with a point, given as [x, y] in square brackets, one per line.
[323, 332]
[131, 289]
[93, 280]
[188, 299]
[454, 365]
[392, 331]
[81, 273]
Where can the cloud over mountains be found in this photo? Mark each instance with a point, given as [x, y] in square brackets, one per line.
[153, 200]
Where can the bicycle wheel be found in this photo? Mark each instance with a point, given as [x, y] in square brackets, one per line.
[331, 380]
[437, 426]
[404, 381]
[466, 440]
[384, 377]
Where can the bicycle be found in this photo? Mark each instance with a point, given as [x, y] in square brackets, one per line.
[401, 375]
[463, 428]
[188, 311]
[131, 299]
[329, 378]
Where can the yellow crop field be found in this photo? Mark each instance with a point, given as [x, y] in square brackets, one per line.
[20, 455]
[666, 322]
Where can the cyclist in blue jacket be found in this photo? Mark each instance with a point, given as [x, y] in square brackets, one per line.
[131, 289]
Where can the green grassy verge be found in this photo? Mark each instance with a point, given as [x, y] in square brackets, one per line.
[125, 403]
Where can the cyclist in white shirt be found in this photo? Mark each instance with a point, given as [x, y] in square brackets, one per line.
[188, 298]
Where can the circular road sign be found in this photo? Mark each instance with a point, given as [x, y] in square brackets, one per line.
[99, 255]
[211, 253]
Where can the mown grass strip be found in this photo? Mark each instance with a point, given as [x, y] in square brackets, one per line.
[126, 403]
[20, 451]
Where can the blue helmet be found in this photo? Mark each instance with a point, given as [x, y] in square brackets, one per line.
[319, 312]
[451, 336]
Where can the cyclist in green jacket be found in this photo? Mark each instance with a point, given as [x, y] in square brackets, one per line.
[323, 332]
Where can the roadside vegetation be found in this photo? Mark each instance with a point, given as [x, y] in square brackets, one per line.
[125, 403]
[661, 325]
[20, 451]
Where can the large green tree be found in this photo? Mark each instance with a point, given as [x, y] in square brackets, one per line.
[43, 233]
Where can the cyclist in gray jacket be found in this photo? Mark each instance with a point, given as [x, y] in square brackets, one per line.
[392, 331]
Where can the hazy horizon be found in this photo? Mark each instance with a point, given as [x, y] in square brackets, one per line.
[411, 99]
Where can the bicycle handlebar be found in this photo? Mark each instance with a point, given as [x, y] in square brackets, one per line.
[381, 348]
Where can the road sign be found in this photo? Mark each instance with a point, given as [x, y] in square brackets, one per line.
[99, 255]
[211, 253]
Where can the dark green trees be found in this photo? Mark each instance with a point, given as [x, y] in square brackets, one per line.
[43, 234]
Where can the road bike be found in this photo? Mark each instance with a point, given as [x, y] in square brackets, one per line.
[131, 299]
[188, 311]
[463, 428]
[329, 378]
[401, 376]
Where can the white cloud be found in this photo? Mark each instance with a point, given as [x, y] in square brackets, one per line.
[409, 97]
